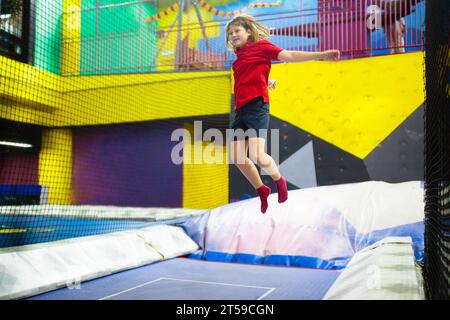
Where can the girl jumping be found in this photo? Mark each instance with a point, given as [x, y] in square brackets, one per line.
[248, 40]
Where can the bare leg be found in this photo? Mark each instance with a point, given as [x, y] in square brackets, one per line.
[258, 154]
[239, 157]
[265, 161]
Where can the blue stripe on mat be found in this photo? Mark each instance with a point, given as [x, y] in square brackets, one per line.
[274, 260]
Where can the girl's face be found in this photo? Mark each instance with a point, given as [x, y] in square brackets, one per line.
[238, 36]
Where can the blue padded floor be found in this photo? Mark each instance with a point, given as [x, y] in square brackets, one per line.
[190, 279]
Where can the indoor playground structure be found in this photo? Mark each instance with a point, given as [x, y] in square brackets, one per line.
[115, 179]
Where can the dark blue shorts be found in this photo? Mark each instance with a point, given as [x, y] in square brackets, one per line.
[253, 115]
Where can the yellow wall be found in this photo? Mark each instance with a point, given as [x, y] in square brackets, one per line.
[118, 99]
[205, 182]
[39, 97]
[70, 62]
[28, 94]
[353, 104]
[55, 165]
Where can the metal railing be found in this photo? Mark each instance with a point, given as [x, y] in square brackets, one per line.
[358, 28]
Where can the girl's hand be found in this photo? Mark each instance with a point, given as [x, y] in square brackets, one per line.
[331, 55]
[272, 84]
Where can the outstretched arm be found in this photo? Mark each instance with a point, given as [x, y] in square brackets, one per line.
[298, 56]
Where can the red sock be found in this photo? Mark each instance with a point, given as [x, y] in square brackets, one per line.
[282, 189]
[263, 192]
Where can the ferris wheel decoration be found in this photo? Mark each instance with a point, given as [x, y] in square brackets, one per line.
[213, 10]
[163, 13]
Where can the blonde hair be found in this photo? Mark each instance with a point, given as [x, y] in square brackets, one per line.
[257, 31]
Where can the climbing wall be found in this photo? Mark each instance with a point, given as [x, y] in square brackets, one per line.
[347, 121]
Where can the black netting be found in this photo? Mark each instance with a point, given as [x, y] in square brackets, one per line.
[437, 155]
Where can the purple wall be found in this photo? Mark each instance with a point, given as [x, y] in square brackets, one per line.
[19, 168]
[126, 165]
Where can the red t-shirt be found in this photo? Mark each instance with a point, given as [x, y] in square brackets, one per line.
[251, 71]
